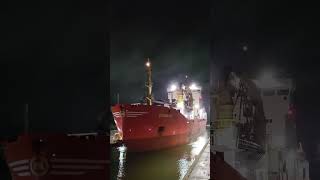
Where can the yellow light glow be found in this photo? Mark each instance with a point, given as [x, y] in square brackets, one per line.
[180, 105]
[148, 64]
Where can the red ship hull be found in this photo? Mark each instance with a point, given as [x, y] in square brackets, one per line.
[145, 128]
[52, 157]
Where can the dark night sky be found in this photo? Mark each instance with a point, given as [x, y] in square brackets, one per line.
[55, 60]
[173, 35]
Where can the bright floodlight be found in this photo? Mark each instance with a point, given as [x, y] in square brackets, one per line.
[173, 87]
[193, 87]
[148, 64]
[180, 105]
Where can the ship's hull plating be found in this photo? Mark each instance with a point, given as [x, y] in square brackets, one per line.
[145, 128]
[221, 170]
[52, 157]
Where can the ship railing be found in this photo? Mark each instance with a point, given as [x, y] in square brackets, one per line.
[82, 134]
[157, 103]
[135, 104]
[249, 145]
[161, 103]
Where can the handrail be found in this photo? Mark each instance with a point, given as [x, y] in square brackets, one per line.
[249, 145]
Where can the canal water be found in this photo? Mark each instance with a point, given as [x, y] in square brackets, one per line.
[169, 164]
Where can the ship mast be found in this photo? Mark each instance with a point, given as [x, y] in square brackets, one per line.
[149, 83]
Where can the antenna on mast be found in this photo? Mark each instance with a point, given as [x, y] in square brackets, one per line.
[149, 97]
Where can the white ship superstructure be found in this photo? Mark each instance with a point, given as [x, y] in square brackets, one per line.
[187, 99]
[254, 126]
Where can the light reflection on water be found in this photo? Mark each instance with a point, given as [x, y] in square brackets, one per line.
[198, 145]
[122, 160]
[165, 164]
